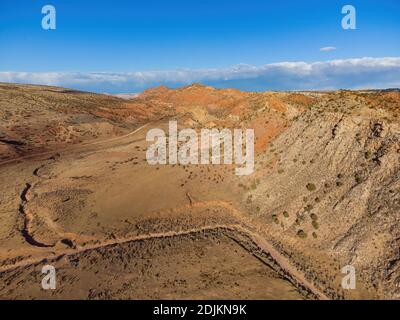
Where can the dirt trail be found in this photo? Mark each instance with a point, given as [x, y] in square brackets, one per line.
[26, 230]
[28, 217]
[283, 263]
[245, 226]
[73, 148]
[251, 229]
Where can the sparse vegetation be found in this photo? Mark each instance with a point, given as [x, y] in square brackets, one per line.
[314, 235]
[358, 177]
[308, 208]
[285, 214]
[315, 224]
[311, 187]
[301, 234]
[309, 193]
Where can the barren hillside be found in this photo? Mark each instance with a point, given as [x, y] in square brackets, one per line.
[78, 193]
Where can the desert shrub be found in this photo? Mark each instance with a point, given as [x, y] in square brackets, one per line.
[311, 187]
[286, 214]
[358, 177]
[308, 208]
[315, 224]
[301, 234]
[314, 235]
[313, 216]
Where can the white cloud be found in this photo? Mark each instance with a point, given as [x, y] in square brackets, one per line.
[326, 49]
[334, 74]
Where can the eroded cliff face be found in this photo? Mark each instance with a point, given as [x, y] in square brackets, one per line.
[331, 191]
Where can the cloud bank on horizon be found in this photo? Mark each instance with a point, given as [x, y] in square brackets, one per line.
[359, 73]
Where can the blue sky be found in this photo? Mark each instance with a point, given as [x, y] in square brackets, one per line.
[121, 38]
